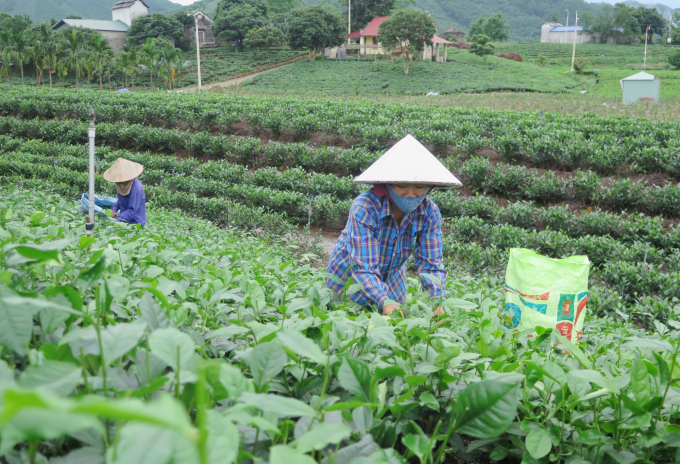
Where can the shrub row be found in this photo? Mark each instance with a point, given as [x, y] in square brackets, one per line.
[519, 182]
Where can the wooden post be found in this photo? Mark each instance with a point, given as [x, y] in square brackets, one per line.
[445, 49]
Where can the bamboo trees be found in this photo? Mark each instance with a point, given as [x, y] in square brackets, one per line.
[168, 64]
[129, 61]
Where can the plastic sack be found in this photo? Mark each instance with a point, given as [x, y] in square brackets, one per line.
[100, 203]
[546, 292]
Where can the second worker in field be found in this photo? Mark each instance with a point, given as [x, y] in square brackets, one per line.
[390, 222]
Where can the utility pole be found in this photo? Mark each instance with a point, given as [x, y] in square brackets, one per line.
[573, 52]
[349, 19]
[89, 227]
[644, 64]
[198, 51]
[566, 29]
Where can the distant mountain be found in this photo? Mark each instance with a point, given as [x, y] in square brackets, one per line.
[43, 10]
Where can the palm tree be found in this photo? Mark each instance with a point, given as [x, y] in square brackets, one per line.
[101, 55]
[149, 55]
[62, 65]
[21, 51]
[6, 54]
[75, 51]
[110, 61]
[49, 46]
[131, 51]
[169, 57]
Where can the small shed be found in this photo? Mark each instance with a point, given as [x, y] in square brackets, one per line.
[453, 31]
[641, 87]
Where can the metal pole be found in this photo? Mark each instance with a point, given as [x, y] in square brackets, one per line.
[198, 52]
[89, 227]
[349, 19]
[566, 29]
[644, 64]
[573, 52]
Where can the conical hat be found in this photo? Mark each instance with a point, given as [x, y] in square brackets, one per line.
[123, 170]
[408, 161]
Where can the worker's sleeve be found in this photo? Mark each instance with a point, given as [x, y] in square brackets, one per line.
[115, 206]
[429, 255]
[365, 255]
[135, 204]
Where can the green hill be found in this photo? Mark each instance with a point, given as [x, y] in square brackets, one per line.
[42, 10]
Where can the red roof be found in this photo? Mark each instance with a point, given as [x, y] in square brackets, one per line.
[438, 40]
[353, 35]
[372, 29]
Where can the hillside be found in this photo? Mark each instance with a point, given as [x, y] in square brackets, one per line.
[43, 10]
[524, 16]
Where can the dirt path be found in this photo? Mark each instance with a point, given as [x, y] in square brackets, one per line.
[238, 80]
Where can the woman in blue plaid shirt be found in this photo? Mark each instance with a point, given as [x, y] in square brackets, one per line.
[390, 222]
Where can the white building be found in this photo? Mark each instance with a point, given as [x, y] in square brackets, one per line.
[127, 10]
[557, 33]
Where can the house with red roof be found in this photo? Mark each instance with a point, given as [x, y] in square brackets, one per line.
[369, 42]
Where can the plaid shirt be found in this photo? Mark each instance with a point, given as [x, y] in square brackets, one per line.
[372, 249]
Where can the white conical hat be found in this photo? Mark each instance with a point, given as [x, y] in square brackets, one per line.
[123, 170]
[408, 161]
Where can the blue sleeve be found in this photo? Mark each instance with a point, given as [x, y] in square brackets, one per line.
[429, 255]
[115, 206]
[135, 204]
[365, 254]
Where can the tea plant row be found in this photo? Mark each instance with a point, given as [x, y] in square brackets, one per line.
[520, 182]
[585, 141]
[202, 345]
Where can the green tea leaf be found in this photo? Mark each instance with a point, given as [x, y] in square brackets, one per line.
[165, 344]
[301, 345]
[355, 377]
[288, 407]
[266, 360]
[487, 408]
[322, 435]
[538, 443]
[57, 377]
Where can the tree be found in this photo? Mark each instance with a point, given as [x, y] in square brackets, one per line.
[314, 28]
[495, 27]
[363, 11]
[133, 58]
[675, 36]
[6, 54]
[674, 59]
[74, 44]
[234, 23]
[481, 46]
[149, 55]
[158, 25]
[651, 17]
[554, 18]
[72, 16]
[410, 29]
[169, 56]
[101, 55]
[224, 5]
[264, 37]
[21, 51]
[14, 23]
[45, 49]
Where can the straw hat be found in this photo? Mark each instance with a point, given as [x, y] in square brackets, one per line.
[123, 170]
[409, 162]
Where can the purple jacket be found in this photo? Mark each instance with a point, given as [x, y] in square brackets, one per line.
[131, 207]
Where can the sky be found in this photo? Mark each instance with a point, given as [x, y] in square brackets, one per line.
[189, 2]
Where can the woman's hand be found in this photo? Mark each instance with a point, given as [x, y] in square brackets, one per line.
[388, 308]
[438, 312]
[113, 214]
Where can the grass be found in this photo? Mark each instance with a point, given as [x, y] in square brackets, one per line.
[464, 72]
[596, 55]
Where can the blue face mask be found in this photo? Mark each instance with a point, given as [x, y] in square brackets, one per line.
[405, 204]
